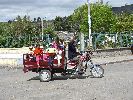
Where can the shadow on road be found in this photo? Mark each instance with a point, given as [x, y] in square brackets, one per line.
[34, 78]
[55, 77]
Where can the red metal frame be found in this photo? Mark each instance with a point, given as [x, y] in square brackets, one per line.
[30, 65]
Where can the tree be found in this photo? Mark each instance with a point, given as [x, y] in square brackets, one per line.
[80, 18]
[102, 18]
[58, 22]
[124, 22]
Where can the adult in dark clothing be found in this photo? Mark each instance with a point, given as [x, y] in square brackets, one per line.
[72, 53]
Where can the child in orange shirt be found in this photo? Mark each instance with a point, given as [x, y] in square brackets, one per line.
[37, 53]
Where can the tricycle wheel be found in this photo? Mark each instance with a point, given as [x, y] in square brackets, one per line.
[97, 71]
[45, 75]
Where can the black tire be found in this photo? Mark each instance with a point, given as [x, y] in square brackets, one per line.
[45, 75]
[97, 71]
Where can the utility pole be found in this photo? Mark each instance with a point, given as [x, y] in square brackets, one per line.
[82, 44]
[89, 23]
[42, 29]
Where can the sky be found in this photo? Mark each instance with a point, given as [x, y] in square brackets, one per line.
[48, 9]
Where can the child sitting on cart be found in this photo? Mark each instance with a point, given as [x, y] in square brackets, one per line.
[58, 46]
[37, 53]
[31, 50]
[30, 53]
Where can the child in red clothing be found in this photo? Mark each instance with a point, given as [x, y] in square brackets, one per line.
[37, 53]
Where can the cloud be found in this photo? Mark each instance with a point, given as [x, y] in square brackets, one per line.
[34, 8]
[45, 8]
[16, 2]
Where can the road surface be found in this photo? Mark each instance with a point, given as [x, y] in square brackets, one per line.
[117, 84]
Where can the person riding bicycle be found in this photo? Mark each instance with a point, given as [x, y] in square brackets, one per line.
[73, 54]
[72, 51]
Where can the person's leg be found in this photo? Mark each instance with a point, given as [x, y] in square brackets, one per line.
[50, 61]
[59, 59]
[37, 59]
[75, 58]
[79, 66]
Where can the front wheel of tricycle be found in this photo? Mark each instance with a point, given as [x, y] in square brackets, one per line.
[45, 75]
[97, 71]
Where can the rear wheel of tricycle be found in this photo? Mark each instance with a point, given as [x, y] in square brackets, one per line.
[45, 75]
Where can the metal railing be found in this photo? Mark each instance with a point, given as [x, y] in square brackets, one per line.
[113, 40]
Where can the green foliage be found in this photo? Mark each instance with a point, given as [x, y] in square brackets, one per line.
[22, 31]
[58, 23]
[80, 18]
[19, 32]
[102, 18]
[63, 23]
[124, 22]
[48, 30]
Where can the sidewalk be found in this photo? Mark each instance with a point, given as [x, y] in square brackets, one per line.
[111, 60]
[17, 62]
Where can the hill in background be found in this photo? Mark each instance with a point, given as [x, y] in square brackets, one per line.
[126, 8]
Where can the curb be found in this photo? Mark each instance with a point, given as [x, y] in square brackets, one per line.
[2, 67]
[117, 62]
[7, 67]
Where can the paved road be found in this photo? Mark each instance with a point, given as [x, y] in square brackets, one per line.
[117, 84]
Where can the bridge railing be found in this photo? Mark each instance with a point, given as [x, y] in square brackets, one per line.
[111, 40]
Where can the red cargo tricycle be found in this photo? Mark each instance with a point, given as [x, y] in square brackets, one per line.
[49, 64]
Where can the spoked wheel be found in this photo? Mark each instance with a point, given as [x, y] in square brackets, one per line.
[97, 71]
[45, 75]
